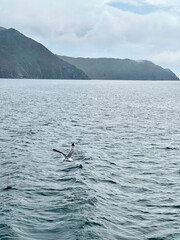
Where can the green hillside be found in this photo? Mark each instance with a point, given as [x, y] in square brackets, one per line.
[22, 57]
[120, 69]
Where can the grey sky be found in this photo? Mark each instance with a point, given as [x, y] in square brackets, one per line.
[136, 29]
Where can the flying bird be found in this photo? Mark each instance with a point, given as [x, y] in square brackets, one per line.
[68, 156]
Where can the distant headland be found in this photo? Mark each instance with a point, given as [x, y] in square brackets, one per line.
[22, 57]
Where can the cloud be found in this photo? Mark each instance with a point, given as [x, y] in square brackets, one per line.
[165, 58]
[167, 3]
[135, 29]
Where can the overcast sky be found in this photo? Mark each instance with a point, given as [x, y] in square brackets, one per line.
[135, 29]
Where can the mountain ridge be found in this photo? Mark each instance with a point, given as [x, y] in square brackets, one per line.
[120, 69]
[23, 57]
[2, 28]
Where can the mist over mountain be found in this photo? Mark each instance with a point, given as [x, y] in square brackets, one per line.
[120, 69]
[22, 57]
[1, 28]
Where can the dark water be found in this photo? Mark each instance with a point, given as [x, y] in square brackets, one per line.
[127, 138]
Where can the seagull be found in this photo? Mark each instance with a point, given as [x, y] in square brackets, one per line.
[68, 156]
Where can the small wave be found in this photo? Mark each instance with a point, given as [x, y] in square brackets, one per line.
[171, 148]
[175, 236]
[171, 206]
[72, 168]
[168, 148]
[109, 181]
[8, 188]
[93, 223]
[138, 155]
[68, 179]
[6, 232]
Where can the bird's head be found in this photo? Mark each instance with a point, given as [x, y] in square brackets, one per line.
[73, 145]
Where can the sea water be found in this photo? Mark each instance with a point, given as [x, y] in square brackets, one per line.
[124, 182]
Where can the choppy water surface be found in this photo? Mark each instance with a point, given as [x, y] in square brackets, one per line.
[127, 139]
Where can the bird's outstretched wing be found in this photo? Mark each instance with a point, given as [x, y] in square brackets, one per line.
[71, 152]
[55, 150]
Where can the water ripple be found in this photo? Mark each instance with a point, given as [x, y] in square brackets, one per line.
[124, 182]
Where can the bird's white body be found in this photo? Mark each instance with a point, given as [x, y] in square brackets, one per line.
[68, 159]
